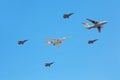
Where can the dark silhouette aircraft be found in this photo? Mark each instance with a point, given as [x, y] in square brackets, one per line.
[67, 15]
[48, 64]
[22, 42]
[92, 41]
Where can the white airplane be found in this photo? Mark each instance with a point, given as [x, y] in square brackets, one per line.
[97, 24]
[54, 41]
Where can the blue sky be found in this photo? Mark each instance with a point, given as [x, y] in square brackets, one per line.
[75, 60]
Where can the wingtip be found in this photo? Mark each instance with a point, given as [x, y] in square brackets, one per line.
[83, 22]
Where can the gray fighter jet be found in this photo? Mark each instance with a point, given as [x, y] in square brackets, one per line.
[22, 42]
[67, 15]
[54, 41]
[48, 64]
[97, 24]
[92, 41]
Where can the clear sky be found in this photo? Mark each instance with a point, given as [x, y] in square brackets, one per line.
[76, 59]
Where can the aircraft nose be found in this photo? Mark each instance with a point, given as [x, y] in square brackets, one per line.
[106, 22]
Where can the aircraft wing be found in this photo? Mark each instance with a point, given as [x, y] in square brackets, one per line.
[51, 38]
[99, 28]
[93, 21]
[64, 38]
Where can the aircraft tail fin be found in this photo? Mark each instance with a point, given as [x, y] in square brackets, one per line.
[48, 43]
[86, 25]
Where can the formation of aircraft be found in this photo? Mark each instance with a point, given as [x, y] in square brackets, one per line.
[54, 41]
[92, 41]
[97, 24]
[22, 42]
[48, 64]
[67, 15]
[57, 41]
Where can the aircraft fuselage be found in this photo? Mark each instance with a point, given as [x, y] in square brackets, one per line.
[57, 41]
[98, 24]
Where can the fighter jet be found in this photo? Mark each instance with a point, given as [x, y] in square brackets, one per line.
[67, 15]
[54, 41]
[48, 64]
[97, 24]
[22, 42]
[92, 41]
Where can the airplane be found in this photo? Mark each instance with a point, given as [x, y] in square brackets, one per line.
[22, 42]
[92, 41]
[54, 41]
[97, 24]
[67, 15]
[48, 64]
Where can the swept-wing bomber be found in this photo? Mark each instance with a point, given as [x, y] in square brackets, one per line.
[54, 41]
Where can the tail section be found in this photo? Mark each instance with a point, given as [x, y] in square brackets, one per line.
[86, 25]
[48, 43]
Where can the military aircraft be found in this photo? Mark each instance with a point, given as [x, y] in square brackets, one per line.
[67, 15]
[22, 42]
[54, 41]
[97, 24]
[48, 64]
[92, 41]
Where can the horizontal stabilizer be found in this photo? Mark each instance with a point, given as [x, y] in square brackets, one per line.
[48, 43]
[86, 25]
